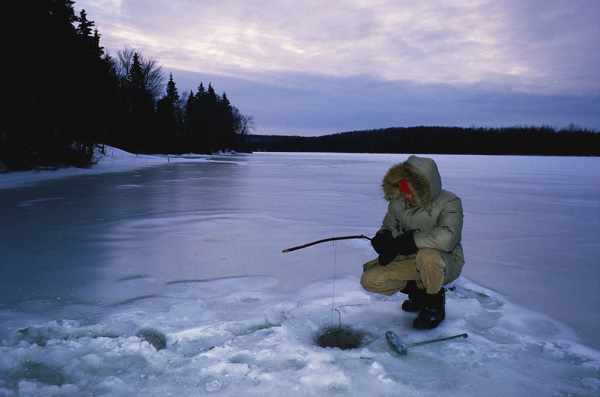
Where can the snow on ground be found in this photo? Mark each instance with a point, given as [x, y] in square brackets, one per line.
[163, 276]
[109, 159]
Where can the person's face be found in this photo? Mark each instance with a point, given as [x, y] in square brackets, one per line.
[405, 187]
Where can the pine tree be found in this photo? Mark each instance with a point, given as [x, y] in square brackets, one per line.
[226, 125]
[203, 131]
[144, 135]
[201, 94]
[210, 112]
[89, 34]
[135, 78]
[150, 73]
[56, 93]
[190, 123]
[85, 26]
[172, 93]
[167, 118]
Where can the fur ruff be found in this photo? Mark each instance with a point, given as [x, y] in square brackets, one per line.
[419, 183]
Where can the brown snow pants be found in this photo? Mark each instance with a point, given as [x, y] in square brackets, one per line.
[427, 268]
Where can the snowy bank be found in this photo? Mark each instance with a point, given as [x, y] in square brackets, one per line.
[108, 159]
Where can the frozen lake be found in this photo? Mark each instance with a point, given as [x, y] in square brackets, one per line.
[191, 250]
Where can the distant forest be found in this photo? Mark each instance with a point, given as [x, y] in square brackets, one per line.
[573, 141]
[64, 96]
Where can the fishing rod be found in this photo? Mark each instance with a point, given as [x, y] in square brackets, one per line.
[324, 241]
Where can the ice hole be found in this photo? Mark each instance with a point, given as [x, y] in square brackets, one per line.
[343, 338]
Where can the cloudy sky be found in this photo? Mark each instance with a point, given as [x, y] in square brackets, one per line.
[313, 67]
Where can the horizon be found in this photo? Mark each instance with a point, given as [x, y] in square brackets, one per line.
[572, 127]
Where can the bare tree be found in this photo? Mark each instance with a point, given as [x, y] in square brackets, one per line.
[152, 73]
[242, 124]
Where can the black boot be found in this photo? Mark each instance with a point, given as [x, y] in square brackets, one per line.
[434, 311]
[416, 297]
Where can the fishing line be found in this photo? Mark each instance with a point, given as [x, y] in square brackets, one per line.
[334, 276]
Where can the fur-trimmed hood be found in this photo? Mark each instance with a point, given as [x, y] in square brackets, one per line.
[423, 175]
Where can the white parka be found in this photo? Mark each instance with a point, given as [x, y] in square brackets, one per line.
[438, 214]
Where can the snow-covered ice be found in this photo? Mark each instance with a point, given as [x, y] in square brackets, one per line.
[163, 275]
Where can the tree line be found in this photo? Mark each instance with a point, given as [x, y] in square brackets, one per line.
[545, 140]
[64, 96]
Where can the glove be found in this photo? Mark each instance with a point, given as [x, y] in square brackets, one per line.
[405, 243]
[382, 240]
[387, 255]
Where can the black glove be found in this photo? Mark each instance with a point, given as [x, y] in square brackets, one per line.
[387, 255]
[405, 243]
[382, 241]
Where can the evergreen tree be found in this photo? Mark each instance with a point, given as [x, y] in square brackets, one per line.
[144, 136]
[85, 27]
[226, 125]
[151, 75]
[203, 130]
[201, 92]
[190, 124]
[210, 113]
[172, 93]
[167, 118]
[135, 77]
[57, 92]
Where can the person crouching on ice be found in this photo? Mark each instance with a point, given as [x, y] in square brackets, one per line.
[419, 241]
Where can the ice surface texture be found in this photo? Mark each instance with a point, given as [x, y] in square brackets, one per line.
[167, 278]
